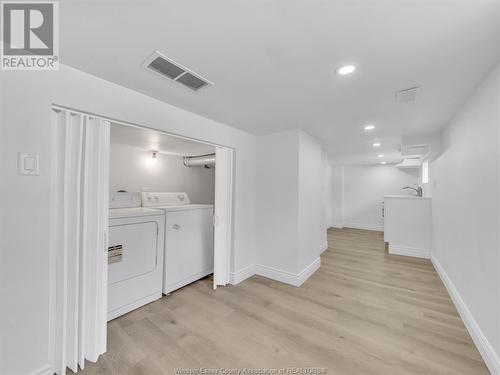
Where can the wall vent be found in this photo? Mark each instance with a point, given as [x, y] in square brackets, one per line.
[160, 64]
[408, 95]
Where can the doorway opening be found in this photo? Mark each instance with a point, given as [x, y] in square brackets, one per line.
[137, 213]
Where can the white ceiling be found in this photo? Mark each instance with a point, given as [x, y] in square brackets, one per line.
[146, 139]
[273, 61]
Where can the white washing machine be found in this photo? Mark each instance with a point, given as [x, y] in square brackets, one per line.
[189, 238]
[135, 254]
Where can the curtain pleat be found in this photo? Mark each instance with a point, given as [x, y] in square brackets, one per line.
[84, 169]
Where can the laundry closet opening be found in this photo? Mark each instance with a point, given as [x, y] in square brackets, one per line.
[137, 214]
[161, 215]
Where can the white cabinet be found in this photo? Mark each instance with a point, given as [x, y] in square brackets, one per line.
[407, 225]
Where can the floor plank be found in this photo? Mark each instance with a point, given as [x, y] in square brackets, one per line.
[363, 312]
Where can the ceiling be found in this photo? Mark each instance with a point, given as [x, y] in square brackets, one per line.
[146, 139]
[273, 61]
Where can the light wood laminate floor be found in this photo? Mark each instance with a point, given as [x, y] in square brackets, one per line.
[363, 312]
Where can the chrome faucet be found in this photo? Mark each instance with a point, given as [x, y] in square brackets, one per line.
[418, 190]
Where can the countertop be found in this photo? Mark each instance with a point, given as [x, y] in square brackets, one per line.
[405, 197]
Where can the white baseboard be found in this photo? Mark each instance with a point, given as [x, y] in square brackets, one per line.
[486, 350]
[323, 247]
[46, 369]
[243, 274]
[377, 228]
[336, 224]
[409, 251]
[295, 279]
[276, 274]
[309, 270]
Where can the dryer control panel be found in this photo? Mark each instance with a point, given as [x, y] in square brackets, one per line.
[124, 200]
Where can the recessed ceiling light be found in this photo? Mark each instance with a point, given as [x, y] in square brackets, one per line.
[383, 162]
[369, 127]
[380, 156]
[346, 70]
[376, 144]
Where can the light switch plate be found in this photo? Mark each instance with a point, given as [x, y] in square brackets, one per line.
[28, 164]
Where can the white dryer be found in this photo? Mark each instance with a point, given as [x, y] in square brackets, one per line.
[189, 238]
[135, 254]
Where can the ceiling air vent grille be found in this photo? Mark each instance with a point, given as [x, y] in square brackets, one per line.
[408, 95]
[161, 64]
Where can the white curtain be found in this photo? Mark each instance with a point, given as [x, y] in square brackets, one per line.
[223, 214]
[81, 185]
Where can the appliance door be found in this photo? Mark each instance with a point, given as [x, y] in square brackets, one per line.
[189, 247]
[130, 273]
[139, 248]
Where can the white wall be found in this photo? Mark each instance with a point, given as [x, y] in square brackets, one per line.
[131, 169]
[25, 118]
[289, 203]
[277, 200]
[327, 190]
[311, 229]
[466, 209]
[337, 197]
[364, 189]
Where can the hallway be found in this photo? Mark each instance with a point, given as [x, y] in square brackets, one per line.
[362, 312]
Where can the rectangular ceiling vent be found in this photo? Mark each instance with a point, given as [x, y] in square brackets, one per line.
[408, 95]
[160, 64]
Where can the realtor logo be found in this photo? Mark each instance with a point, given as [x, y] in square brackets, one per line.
[30, 39]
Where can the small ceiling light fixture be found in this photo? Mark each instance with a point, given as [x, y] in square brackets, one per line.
[383, 162]
[376, 144]
[369, 127]
[346, 70]
[380, 156]
[154, 155]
